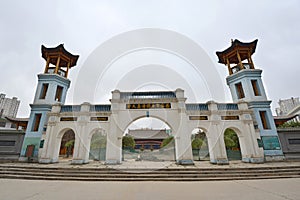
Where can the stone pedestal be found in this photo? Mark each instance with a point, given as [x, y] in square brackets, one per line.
[77, 162]
[112, 162]
[185, 162]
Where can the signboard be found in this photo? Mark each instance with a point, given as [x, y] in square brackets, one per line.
[148, 105]
[198, 117]
[65, 119]
[230, 117]
[270, 143]
[99, 119]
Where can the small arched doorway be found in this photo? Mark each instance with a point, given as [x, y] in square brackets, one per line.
[199, 145]
[232, 145]
[98, 145]
[148, 139]
[67, 144]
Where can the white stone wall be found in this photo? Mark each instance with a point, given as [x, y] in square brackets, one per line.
[177, 117]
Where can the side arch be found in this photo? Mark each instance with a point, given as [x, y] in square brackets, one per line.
[129, 122]
[57, 141]
[96, 144]
[95, 130]
[63, 130]
[242, 140]
[200, 144]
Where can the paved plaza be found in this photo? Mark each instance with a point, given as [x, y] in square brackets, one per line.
[255, 189]
[265, 189]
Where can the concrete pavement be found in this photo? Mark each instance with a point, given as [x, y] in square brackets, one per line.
[274, 189]
[278, 189]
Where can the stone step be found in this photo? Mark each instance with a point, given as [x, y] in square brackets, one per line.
[28, 177]
[173, 171]
[133, 174]
[153, 175]
[191, 168]
[60, 175]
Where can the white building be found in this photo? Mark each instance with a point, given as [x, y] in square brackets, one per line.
[286, 106]
[8, 107]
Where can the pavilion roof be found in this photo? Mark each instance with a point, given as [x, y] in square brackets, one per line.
[230, 53]
[18, 121]
[13, 119]
[54, 52]
[279, 120]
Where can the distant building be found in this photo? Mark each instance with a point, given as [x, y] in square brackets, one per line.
[148, 138]
[8, 107]
[6, 124]
[11, 133]
[11, 141]
[286, 106]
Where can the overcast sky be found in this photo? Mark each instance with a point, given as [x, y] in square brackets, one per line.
[84, 25]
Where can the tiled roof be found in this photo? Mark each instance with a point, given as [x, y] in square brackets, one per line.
[148, 134]
[148, 95]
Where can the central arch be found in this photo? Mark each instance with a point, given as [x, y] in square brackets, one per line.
[165, 106]
[148, 138]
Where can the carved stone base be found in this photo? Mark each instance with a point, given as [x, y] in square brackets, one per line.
[112, 162]
[77, 162]
[222, 161]
[185, 162]
[45, 160]
[269, 158]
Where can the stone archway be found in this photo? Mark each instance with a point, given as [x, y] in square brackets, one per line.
[97, 147]
[199, 143]
[63, 137]
[152, 140]
[67, 144]
[232, 145]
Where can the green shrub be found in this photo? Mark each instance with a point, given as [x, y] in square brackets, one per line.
[70, 143]
[290, 124]
[128, 142]
[231, 139]
[98, 141]
[168, 140]
[197, 143]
